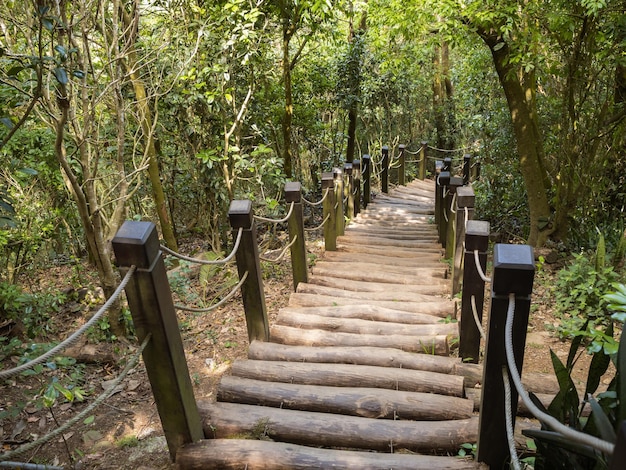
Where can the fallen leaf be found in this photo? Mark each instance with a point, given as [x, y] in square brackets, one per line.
[91, 437]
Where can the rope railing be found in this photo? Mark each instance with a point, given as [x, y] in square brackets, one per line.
[548, 420]
[276, 221]
[204, 261]
[479, 268]
[74, 336]
[508, 417]
[84, 413]
[229, 296]
[282, 253]
[320, 226]
[318, 203]
[476, 319]
[462, 149]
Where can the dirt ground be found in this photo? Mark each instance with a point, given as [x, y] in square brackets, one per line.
[125, 432]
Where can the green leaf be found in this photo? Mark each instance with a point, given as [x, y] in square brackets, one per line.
[61, 50]
[61, 75]
[621, 379]
[7, 122]
[598, 367]
[29, 171]
[602, 421]
[566, 402]
[89, 419]
[78, 74]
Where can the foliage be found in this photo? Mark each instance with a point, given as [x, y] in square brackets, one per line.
[608, 409]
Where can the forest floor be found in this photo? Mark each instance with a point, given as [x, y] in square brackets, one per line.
[125, 432]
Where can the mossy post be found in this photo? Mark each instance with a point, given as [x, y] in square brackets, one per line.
[476, 238]
[464, 213]
[367, 180]
[241, 216]
[455, 183]
[151, 306]
[513, 273]
[384, 174]
[348, 190]
[293, 193]
[330, 206]
[401, 165]
[356, 178]
[443, 181]
[340, 221]
[422, 171]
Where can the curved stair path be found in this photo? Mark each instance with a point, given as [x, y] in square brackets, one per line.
[357, 373]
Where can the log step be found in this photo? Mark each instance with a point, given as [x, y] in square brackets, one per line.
[437, 270]
[393, 252]
[420, 344]
[382, 277]
[362, 286]
[235, 454]
[350, 401]
[222, 420]
[363, 297]
[428, 260]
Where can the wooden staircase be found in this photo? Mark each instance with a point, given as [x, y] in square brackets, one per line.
[357, 373]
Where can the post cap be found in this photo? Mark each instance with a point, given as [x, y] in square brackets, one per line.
[356, 165]
[477, 235]
[337, 173]
[401, 147]
[456, 182]
[444, 178]
[347, 168]
[465, 196]
[136, 243]
[438, 166]
[447, 164]
[366, 157]
[513, 269]
[240, 213]
[327, 180]
[293, 191]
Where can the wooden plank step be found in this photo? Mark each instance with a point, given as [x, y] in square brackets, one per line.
[311, 321]
[350, 375]
[392, 252]
[420, 344]
[400, 206]
[390, 216]
[350, 401]
[423, 236]
[362, 286]
[363, 297]
[386, 278]
[440, 308]
[429, 259]
[383, 241]
[367, 356]
[325, 429]
[235, 454]
[439, 270]
[395, 224]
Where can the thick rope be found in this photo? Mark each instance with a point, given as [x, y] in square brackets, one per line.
[83, 414]
[452, 204]
[508, 417]
[479, 268]
[549, 421]
[204, 261]
[282, 253]
[320, 202]
[74, 336]
[230, 295]
[276, 221]
[449, 151]
[313, 229]
[476, 319]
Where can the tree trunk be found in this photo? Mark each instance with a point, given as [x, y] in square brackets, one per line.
[519, 88]
[288, 116]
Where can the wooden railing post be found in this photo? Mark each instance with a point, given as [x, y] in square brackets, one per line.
[330, 211]
[455, 183]
[438, 191]
[384, 175]
[464, 211]
[443, 180]
[447, 164]
[401, 165]
[241, 216]
[467, 165]
[340, 220]
[293, 193]
[513, 273]
[349, 191]
[367, 176]
[422, 172]
[476, 238]
[151, 306]
[356, 178]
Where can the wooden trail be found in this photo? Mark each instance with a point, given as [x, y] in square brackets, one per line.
[357, 373]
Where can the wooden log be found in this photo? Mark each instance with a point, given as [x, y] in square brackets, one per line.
[402, 206]
[358, 326]
[473, 394]
[414, 219]
[351, 401]
[439, 270]
[235, 454]
[361, 286]
[350, 375]
[422, 344]
[384, 251]
[431, 260]
[381, 277]
[441, 308]
[385, 224]
[328, 430]
[362, 297]
[426, 231]
[379, 241]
